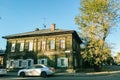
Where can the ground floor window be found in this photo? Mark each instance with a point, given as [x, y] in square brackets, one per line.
[19, 63]
[42, 61]
[29, 62]
[62, 62]
[10, 64]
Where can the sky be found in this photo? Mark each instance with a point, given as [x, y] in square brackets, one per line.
[17, 16]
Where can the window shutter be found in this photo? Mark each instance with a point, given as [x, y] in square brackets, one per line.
[59, 62]
[66, 62]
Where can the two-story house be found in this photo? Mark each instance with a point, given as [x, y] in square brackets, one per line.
[55, 47]
[2, 57]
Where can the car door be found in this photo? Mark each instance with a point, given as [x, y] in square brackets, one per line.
[33, 71]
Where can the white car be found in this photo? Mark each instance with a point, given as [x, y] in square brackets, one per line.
[3, 70]
[37, 70]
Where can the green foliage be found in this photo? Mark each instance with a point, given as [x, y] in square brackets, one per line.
[118, 57]
[95, 21]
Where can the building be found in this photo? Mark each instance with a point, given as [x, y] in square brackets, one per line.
[2, 58]
[55, 47]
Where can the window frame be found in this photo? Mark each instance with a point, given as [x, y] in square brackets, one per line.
[62, 62]
[42, 59]
[30, 46]
[62, 44]
[13, 47]
[22, 46]
[52, 44]
[43, 45]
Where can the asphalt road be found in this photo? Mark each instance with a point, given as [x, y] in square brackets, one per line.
[13, 76]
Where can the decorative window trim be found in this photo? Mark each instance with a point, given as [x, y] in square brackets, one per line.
[52, 44]
[30, 46]
[22, 46]
[43, 45]
[62, 44]
[31, 62]
[42, 61]
[13, 47]
[62, 62]
[20, 63]
[10, 63]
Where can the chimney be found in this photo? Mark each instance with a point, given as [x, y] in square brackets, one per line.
[53, 27]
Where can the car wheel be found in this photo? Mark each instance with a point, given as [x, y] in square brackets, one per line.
[43, 74]
[22, 74]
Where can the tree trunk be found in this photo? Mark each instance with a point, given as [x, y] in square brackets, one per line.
[97, 68]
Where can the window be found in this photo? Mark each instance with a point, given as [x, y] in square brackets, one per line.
[42, 61]
[30, 46]
[62, 62]
[11, 63]
[21, 46]
[20, 63]
[13, 47]
[62, 44]
[24, 63]
[38, 66]
[52, 44]
[43, 45]
[29, 62]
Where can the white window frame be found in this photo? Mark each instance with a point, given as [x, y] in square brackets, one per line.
[30, 46]
[62, 44]
[43, 59]
[16, 63]
[24, 63]
[60, 60]
[22, 46]
[31, 62]
[11, 64]
[43, 45]
[20, 64]
[52, 44]
[13, 47]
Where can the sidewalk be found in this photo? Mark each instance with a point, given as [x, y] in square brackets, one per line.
[87, 74]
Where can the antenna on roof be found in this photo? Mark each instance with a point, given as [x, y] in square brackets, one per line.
[44, 20]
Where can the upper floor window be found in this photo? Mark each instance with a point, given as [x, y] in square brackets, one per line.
[62, 44]
[13, 47]
[43, 45]
[52, 44]
[30, 46]
[21, 46]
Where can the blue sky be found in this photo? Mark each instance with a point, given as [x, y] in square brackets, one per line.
[19, 16]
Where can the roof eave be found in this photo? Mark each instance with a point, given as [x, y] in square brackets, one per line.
[32, 35]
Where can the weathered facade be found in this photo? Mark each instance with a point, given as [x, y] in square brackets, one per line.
[54, 47]
[2, 58]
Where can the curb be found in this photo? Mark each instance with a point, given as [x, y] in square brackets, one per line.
[77, 74]
[87, 74]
